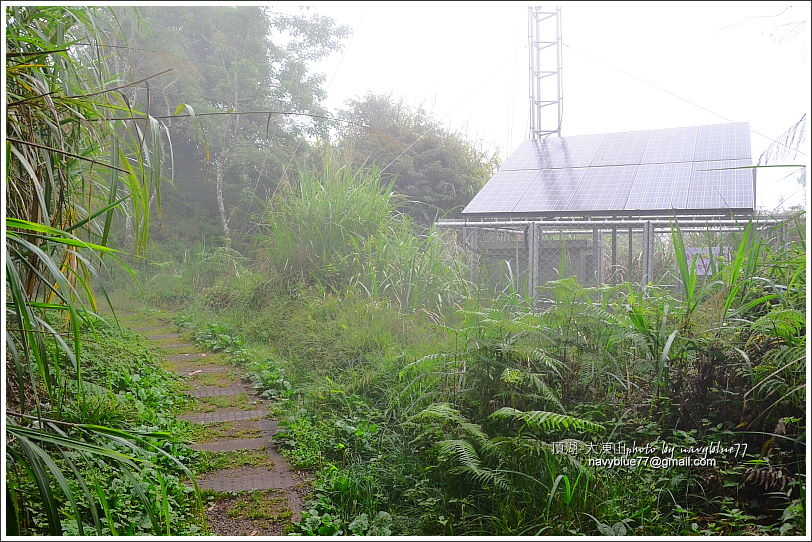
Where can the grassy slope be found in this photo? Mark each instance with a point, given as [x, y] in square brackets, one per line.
[404, 421]
[351, 414]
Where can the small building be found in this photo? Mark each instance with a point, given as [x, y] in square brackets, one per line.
[601, 207]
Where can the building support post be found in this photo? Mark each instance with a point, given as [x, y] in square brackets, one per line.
[646, 253]
[470, 237]
[532, 260]
[629, 275]
[614, 255]
[597, 254]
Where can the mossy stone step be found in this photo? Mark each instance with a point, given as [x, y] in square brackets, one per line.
[217, 391]
[179, 357]
[224, 415]
[150, 328]
[191, 369]
[164, 336]
[177, 345]
[261, 428]
[232, 445]
[246, 479]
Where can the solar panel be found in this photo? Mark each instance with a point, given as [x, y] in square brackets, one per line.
[529, 155]
[675, 145]
[681, 169]
[551, 190]
[554, 152]
[604, 188]
[502, 192]
[621, 149]
[715, 185]
[577, 151]
[660, 186]
[722, 142]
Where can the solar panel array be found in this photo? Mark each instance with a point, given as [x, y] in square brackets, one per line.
[673, 170]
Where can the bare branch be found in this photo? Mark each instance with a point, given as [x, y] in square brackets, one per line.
[37, 145]
[292, 113]
[130, 84]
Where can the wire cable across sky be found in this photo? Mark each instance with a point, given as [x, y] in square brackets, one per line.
[675, 95]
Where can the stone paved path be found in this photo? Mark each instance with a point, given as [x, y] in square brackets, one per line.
[256, 494]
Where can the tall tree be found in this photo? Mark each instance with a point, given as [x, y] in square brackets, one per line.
[437, 170]
[234, 62]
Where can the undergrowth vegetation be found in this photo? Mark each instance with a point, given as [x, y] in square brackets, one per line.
[423, 406]
[423, 402]
[107, 481]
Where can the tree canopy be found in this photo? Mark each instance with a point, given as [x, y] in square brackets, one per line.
[436, 169]
[241, 63]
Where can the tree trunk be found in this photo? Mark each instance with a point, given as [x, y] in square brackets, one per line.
[221, 165]
[230, 134]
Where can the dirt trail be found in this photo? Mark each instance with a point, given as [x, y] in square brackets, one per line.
[256, 491]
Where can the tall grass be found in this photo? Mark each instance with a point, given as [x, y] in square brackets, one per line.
[69, 172]
[341, 228]
[416, 272]
[312, 228]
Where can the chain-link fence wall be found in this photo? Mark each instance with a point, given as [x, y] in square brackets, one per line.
[523, 256]
[499, 257]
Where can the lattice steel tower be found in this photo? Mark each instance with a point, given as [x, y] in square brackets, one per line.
[546, 99]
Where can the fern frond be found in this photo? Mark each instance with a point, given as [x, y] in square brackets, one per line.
[538, 357]
[601, 315]
[544, 390]
[520, 446]
[528, 382]
[638, 339]
[442, 412]
[475, 431]
[548, 420]
[484, 477]
[593, 368]
[462, 453]
[785, 323]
